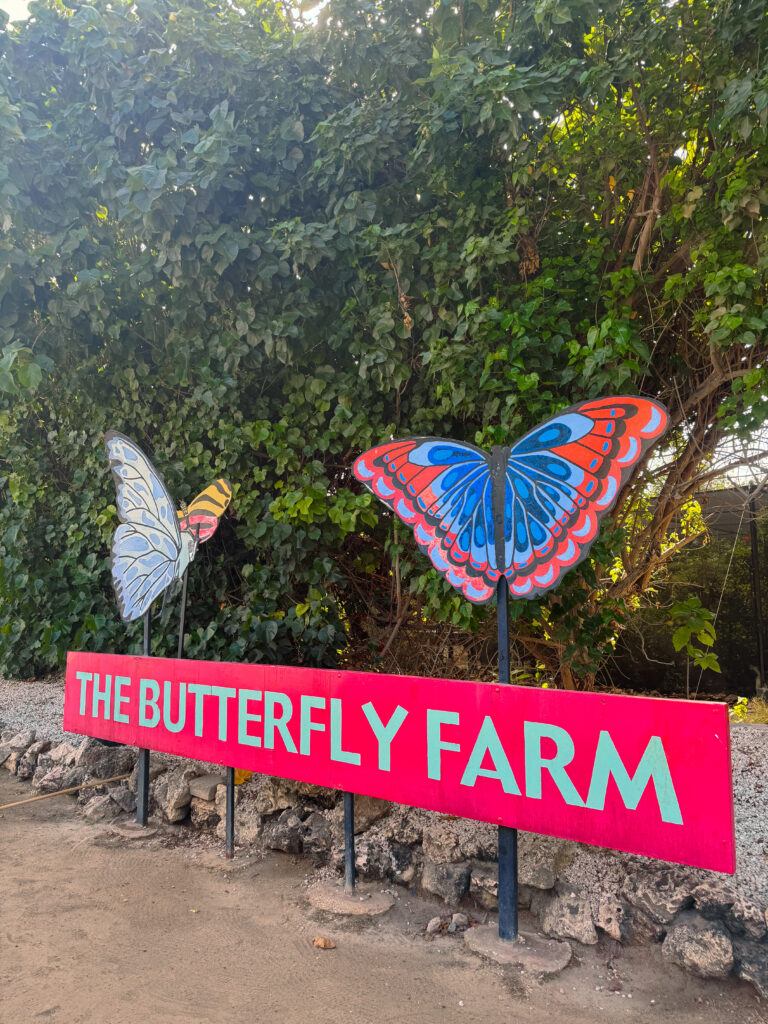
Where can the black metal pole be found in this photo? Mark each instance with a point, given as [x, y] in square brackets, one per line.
[182, 614]
[757, 598]
[349, 843]
[508, 926]
[142, 768]
[229, 826]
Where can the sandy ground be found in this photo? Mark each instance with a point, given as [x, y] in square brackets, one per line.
[97, 928]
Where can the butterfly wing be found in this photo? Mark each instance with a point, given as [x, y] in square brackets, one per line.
[147, 549]
[442, 489]
[563, 477]
[204, 512]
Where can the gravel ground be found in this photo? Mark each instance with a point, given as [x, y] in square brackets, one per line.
[38, 705]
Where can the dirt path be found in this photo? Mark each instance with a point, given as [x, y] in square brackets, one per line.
[95, 928]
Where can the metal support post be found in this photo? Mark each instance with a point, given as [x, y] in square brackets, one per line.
[349, 843]
[508, 925]
[142, 768]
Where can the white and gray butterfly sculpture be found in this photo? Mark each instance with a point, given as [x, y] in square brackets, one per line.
[154, 543]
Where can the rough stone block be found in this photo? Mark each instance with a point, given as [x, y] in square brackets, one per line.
[202, 813]
[124, 798]
[57, 778]
[449, 881]
[699, 946]
[751, 964]
[13, 762]
[614, 917]
[660, 893]
[286, 833]
[369, 810]
[566, 915]
[449, 840]
[171, 793]
[203, 787]
[101, 808]
[22, 740]
[63, 753]
[104, 762]
[28, 763]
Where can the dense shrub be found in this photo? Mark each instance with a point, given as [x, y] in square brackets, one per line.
[258, 246]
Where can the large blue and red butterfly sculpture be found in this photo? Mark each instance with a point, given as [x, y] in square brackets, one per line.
[559, 481]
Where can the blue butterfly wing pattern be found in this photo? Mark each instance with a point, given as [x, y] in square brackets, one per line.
[148, 552]
[442, 489]
[561, 479]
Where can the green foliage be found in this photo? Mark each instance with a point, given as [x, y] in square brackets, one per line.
[690, 620]
[258, 247]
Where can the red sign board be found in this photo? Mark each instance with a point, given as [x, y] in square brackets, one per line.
[644, 775]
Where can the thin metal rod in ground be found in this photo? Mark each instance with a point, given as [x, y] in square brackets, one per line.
[62, 792]
[349, 842]
[182, 614]
[229, 826]
[508, 924]
[142, 766]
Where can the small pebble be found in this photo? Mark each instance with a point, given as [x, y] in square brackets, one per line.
[434, 926]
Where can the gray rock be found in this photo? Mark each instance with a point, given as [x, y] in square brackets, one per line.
[539, 859]
[405, 825]
[156, 768]
[124, 798]
[7, 735]
[484, 885]
[57, 778]
[751, 964]
[372, 857]
[747, 918]
[274, 794]
[316, 838]
[101, 808]
[13, 761]
[28, 763]
[90, 791]
[104, 762]
[458, 922]
[699, 946]
[22, 740]
[566, 915]
[659, 893]
[741, 915]
[171, 793]
[63, 753]
[644, 931]
[449, 840]
[434, 926]
[449, 881]
[5, 752]
[369, 810]
[203, 787]
[285, 834]
[202, 813]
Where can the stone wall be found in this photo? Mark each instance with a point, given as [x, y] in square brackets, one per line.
[710, 924]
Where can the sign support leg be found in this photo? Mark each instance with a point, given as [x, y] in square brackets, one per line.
[507, 836]
[229, 826]
[182, 613]
[349, 843]
[142, 772]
